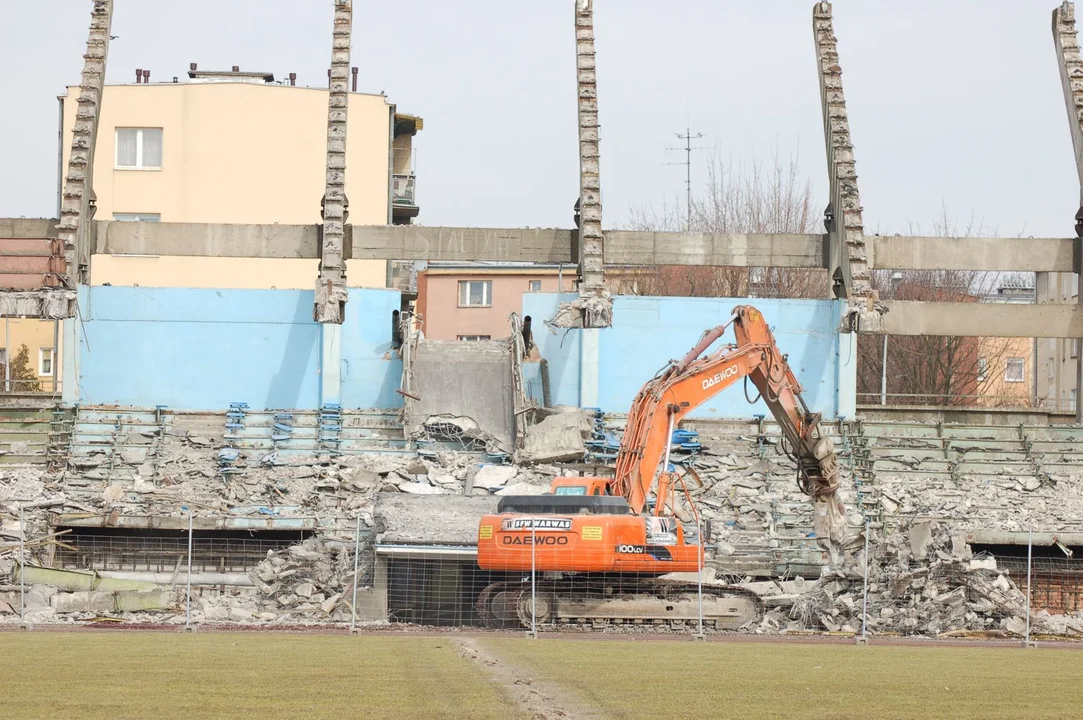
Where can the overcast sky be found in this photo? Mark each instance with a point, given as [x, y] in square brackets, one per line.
[952, 103]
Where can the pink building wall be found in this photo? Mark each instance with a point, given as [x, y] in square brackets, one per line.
[438, 301]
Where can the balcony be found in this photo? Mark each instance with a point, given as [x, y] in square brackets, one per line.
[403, 198]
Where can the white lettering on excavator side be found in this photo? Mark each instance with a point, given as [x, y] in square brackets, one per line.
[719, 377]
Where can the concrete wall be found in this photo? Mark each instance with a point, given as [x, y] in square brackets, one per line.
[227, 272]
[1056, 357]
[438, 300]
[200, 349]
[607, 372]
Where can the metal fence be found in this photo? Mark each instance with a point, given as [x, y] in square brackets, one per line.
[1006, 594]
[969, 401]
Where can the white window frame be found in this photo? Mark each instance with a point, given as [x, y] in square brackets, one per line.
[983, 368]
[486, 293]
[41, 361]
[138, 149]
[474, 338]
[535, 286]
[137, 217]
[1019, 362]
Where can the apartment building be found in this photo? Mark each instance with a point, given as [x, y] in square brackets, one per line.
[240, 147]
[472, 301]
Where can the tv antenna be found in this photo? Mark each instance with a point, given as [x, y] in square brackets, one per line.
[688, 137]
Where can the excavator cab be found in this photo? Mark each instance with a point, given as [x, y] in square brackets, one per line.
[580, 486]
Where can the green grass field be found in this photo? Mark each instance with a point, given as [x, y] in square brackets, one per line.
[173, 675]
[787, 680]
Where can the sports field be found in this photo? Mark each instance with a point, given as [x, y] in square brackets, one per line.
[172, 675]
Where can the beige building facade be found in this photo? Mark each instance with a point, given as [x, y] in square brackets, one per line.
[237, 147]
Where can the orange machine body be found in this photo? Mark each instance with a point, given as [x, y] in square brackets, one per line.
[609, 541]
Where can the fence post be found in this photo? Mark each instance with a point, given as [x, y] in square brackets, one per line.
[22, 570]
[533, 634]
[188, 601]
[356, 558]
[1027, 642]
[864, 639]
[699, 579]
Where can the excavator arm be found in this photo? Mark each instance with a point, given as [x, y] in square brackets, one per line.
[686, 384]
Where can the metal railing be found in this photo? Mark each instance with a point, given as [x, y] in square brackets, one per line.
[403, 189]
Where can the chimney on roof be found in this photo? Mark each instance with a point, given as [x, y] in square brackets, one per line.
[146, 77]
[192, 67]
[354, 71]
[236, 68]
[293, 79]
[328, 77]
[138, 76]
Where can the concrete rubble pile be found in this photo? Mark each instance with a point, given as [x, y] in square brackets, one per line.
[923, 582]
[313, 579]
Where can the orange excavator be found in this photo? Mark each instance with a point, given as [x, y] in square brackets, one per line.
[602, 547]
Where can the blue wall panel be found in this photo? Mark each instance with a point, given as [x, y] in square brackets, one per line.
[649, 331]
[371, 371]
[560, 349]
[200, 349]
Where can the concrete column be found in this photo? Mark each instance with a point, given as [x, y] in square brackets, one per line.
[69, 362]
[331, 291]
[72, 230]
[845, 371]
[589, 366]
[1066, 42]
[848, 262]
[330, 364]
[591, 240]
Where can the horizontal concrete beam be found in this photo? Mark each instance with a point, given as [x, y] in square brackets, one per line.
[206, 240]
[15, 228]
[416, 242]
[983, 319]
[624, 247]
[904, 252]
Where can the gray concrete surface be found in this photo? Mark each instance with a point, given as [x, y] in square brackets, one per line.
[464, 379]
[430, 519]
[907, 317]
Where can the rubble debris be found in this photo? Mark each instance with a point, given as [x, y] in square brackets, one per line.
[559, 437]
[599, 308]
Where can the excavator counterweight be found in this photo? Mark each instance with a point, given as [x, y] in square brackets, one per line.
[606, 543]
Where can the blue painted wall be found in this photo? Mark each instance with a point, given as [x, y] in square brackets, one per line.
[200, 349]
[649, 331]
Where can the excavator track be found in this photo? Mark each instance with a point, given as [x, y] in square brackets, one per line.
[598, 603]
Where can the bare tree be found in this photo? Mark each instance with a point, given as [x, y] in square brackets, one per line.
[770, 199]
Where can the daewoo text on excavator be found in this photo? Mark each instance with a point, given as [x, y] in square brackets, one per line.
[601, 546]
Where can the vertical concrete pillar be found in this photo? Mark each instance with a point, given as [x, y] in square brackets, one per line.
[589, 366]
[72, 329]
[331, 285]
[845, 370]
[848, 261]
[330, 364]
[1066, 43]
[75, 203]
[596, 308]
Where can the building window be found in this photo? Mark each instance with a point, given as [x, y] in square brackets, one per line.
[139, 148]
[475, 293]
[1014, 370]
[45, 361]
[535, 286]
[983, 369]
[474, 337]
[137, 217]
[1072, 400]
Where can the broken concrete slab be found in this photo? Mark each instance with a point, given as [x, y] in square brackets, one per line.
[557, 438]
[436, 519]
[522, 488]
[491, 477]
